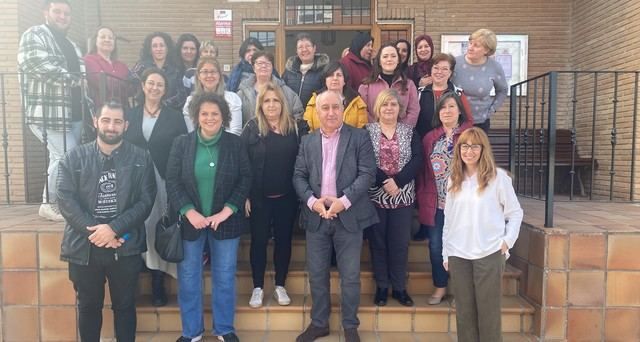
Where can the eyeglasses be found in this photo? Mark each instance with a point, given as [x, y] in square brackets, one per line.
[437, 69]
[263, 64]
[467, 147]
[208, 72]
[304, 47]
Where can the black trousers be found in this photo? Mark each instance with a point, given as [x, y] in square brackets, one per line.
[88, 281]
[389, 246]
[280, 214]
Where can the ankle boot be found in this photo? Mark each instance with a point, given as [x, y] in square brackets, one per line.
[159, 296]
[380, 298]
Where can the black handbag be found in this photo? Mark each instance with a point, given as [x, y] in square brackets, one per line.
[169, 239]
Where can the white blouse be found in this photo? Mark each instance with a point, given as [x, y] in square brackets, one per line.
[476, 224]
[235, 107]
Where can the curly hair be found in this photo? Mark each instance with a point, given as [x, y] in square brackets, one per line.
[145, 52]
[198, 100]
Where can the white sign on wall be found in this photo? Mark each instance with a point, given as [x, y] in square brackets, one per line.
[222, 20]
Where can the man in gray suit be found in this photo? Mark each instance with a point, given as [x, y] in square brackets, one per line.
[334, 169]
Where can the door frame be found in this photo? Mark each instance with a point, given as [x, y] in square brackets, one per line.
[278, 26]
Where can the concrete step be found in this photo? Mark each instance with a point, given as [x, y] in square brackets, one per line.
[419, 280]
[517, 315]
[418, 250]
[335, 336]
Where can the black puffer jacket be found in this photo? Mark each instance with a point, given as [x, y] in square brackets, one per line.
[305, 85]
[77, 196]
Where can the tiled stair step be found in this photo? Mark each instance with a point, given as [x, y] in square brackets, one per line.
[418, 250]
[419, 280]
[517, 315]
[335, 336]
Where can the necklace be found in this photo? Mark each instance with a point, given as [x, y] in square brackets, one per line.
[211, 164]
[150, 113]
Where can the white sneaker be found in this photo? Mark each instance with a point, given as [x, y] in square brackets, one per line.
[256, 298]
[50, 212]
[281, 296]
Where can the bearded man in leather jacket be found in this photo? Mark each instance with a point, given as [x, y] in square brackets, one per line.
[106, 189]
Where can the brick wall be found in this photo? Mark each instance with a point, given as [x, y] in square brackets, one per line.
[546, 22]
[563, 34]
[9, 84]
[134, 20]
[606, 37]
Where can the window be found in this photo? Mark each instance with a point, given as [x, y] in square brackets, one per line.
[337, 12]
[267, 38]
[311, 15]
[393, 35]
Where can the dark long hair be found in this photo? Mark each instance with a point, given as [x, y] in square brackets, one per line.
[376, 71]
[187, 37]
[404, 65]
[435, 121]
[348, 93]
[248, 42]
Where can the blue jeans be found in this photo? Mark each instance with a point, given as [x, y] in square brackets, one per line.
[440, 276]
[224, 256]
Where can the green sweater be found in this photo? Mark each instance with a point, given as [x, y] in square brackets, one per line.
[206, 167]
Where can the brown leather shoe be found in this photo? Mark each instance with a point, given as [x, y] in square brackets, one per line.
[351, 335]
[312, 333]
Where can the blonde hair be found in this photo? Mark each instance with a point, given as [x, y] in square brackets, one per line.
[487, 38]
[383, 97]
[220, 87]
[287, 124]
[208, 44]
[486, 164]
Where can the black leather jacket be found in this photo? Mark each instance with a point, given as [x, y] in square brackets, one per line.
[78, 176]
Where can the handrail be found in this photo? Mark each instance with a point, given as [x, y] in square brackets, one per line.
[582, 105]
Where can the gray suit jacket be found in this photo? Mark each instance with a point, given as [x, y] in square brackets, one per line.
[355, 173]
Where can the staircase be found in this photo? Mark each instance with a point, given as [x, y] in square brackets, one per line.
[517, 314]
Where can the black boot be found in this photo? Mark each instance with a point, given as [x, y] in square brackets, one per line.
[421, 234]
[402, 297]
[159, 296]
[381, 296]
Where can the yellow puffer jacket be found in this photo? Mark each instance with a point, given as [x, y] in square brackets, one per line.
[355, 114]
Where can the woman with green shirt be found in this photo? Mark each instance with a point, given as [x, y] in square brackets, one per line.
[208, 180]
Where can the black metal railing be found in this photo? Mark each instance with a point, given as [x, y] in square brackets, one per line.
[42, 100]
[573, 136]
